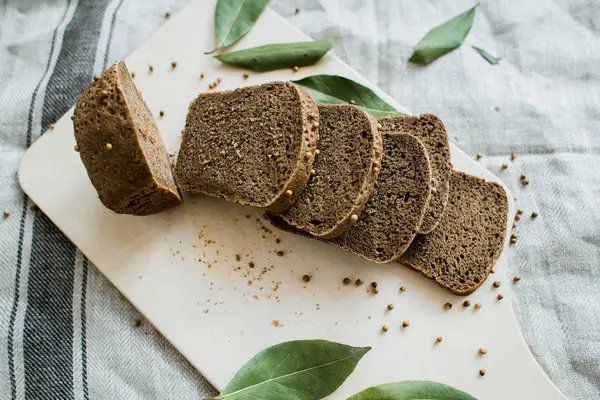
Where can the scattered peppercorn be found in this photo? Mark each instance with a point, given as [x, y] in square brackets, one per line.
[447, 306]
[534, 214]
[390, 307]
[246, 76]
[512, 156]
[251, 264]
[133, 75]
[405, 323]
[482, 372]
[109, 146]
[174, 64]
[438, 339]
[135, 323]
[478, 156]
[238, 257]
[482, 351]
[466, 303]
[522, 177]
[477, 306]
[306, 278]
[161, 114]
[402, 289]
[51, 127]
[167, 14]
[277, 240]
[500, 296]
[6, 213]
[503, 166]
[358, 282]
[280, 253]
[150, 68]
[496, 284]
[297, 10]
[296, 68]
[385, 328]
[346, 281]
[76, 148]
[375, 291]
[497, 108]
[525, 182]
[373, 284]
[352, 102]
[516, 278]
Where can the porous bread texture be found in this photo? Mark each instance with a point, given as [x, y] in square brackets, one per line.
[461, 251]
[430, 130]
[254, 146]
[345, 171]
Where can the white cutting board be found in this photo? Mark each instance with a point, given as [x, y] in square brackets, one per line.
[176, 265]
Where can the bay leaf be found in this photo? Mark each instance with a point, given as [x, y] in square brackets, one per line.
[443, 38]
[412, 390]
[334, 89]
[300, 369]
[278, 56]
[488, 57]
[235, 18]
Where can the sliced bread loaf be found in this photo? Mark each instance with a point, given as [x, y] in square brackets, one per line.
[430, 130]
[121, 148]
[345, 171]
[253, 145]
[394, 212]
[461, 251]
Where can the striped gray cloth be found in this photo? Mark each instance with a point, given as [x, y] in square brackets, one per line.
[66, 333]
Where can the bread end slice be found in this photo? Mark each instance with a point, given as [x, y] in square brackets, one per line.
[121, 147]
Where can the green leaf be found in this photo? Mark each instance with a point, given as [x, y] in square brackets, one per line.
[300, 370]
[412, 390]
[443, 38]
[489, 58]
[277, 56]
[333, 89]
[235, 18]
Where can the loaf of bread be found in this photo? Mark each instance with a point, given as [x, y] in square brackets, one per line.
[121, 147]
[430, 130]
[461, 251]
[344, 172]
[253, 146]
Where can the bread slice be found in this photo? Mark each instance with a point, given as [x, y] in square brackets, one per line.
[346, 169]
[461, 251]
[396, 207]
[430, 130]
[253, 146]
[121, 148]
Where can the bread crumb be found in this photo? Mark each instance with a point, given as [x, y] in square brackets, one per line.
[277, 324]
[478, 156]
[167, 14]
[135, 323]
[150, 68]
[512, 156]
[51, 127]
[133, 75]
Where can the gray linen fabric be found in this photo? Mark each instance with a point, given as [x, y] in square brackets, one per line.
[66, 333]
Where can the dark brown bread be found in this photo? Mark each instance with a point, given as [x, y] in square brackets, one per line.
[461, 251]
[430, 130]
[346, 169]
[121, 148]
[396, 207]
[253, 146]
